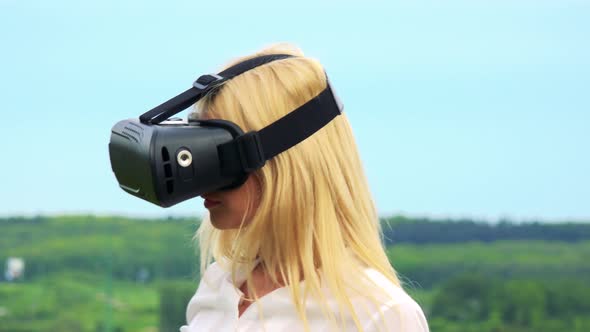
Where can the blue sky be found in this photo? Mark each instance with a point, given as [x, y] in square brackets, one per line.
[460, 108]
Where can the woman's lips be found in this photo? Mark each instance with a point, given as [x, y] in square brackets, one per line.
[209, 203]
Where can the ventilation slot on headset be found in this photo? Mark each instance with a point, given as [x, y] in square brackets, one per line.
[165, 155]
[167, 170]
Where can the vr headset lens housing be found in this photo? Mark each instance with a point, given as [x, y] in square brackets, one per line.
[166, 161]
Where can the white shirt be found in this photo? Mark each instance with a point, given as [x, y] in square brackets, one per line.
[214, 307]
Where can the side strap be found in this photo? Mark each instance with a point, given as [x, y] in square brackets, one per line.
[251, 150]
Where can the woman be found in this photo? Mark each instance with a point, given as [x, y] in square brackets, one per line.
[298, 246]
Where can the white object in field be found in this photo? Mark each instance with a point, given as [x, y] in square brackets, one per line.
[15, 268]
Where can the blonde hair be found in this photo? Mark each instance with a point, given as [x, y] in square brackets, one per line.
[315, 210]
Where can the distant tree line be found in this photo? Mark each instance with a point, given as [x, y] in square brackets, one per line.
[421, 230]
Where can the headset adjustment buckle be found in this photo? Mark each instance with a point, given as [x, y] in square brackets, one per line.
[205, 81]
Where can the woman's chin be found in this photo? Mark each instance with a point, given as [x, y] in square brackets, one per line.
[218, 221]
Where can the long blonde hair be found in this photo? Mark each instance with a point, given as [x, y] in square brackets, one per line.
[315, 210]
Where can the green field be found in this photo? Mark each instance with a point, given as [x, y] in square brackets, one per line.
[82, 274]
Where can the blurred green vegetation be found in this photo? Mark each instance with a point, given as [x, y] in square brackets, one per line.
[163, 247]
[431, 264]
[476, 302]
[87, 273]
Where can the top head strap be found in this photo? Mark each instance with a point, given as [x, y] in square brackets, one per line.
[202, 86]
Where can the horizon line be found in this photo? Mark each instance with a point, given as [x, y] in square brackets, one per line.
[429, 216]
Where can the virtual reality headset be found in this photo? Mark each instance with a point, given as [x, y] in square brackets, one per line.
[167, 160]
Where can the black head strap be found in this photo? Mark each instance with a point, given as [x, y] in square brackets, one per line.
[251, 150]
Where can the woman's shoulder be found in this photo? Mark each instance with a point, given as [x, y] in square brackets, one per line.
[400, 312]
[394, 292]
